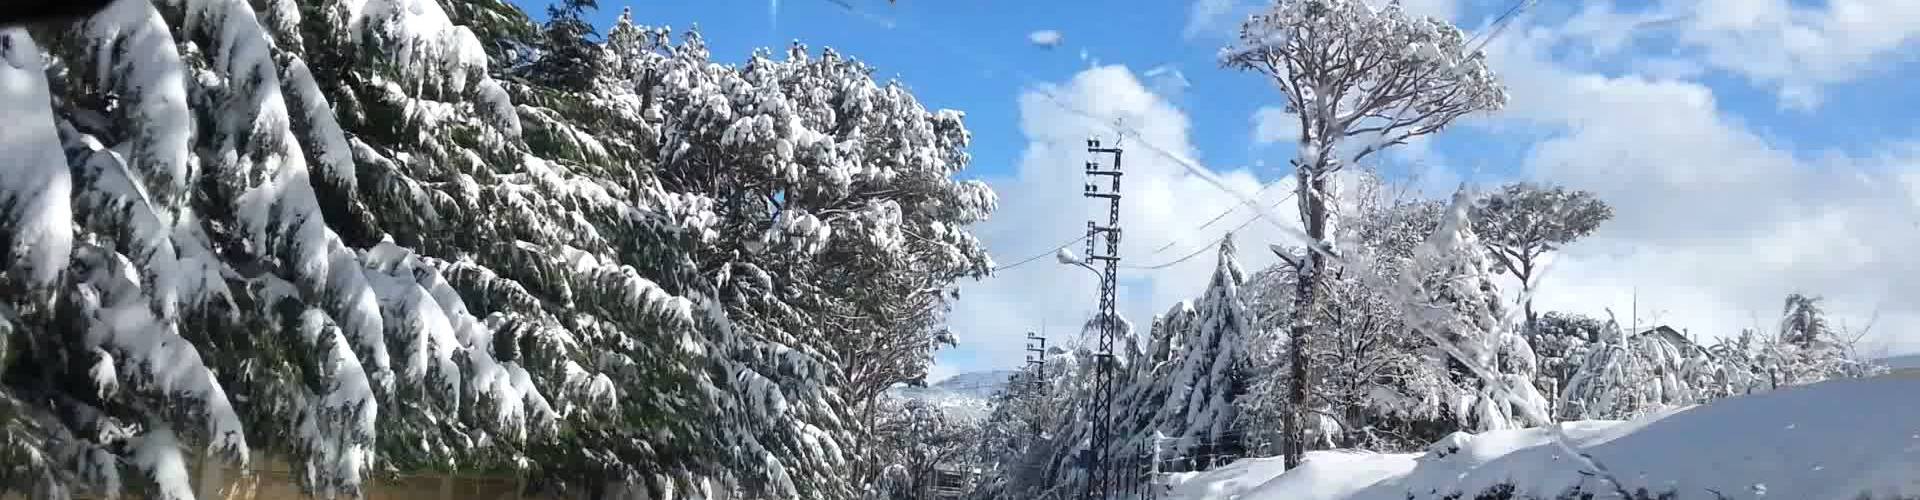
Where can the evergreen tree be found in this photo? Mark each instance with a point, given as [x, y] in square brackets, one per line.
[1207, 370]
[342, 212]
[1447, 294]
[1151, 381]
[569, 60]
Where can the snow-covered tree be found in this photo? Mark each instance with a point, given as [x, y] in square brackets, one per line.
[838, 229]
[1561, 343]
[569, 58]
[1351, 72]
[326, 227]
[1188, 385]
[1522, 222]
[916, 440]
[1625, 375]
[1154, 378]
[1803, 351]
[1377, 389]
[1016, 437]
[1803, 321]
[1058, 461]
[1448, 295]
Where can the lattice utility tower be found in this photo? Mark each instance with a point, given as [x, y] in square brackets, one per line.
[1037, 360]
[1037, 385]
[1099, 474]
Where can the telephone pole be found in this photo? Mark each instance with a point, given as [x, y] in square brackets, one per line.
[1098, 474]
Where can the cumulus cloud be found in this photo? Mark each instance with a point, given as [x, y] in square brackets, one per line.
[1042, 207]
[1792, 48]
[1714, 223]
[1273, 124]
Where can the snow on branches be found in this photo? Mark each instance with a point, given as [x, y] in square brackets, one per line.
[1353, 71]
[327, 227]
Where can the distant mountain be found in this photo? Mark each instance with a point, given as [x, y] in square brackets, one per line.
[966, 395]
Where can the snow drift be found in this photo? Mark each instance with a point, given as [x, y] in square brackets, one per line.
[1836, 440]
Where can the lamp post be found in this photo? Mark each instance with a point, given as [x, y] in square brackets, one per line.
[1067, 257]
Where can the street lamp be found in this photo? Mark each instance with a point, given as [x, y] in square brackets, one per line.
[1067, 257]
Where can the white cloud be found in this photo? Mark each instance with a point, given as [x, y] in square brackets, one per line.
[1273, 124]
[1045, 38]
[1207, 16]
[1443, 9]
[1041, 206]
[1791, 48]
[1167, 81]
[1714, 224]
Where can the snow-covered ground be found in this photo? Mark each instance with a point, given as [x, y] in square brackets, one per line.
[1835, 440]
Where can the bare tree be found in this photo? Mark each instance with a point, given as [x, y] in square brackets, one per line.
[1349, 71]
[1523, 221]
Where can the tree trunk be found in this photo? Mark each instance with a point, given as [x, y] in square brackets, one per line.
[1314, 214]
[1526, 288]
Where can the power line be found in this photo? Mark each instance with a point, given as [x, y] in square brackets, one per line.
[1204, 248]
[1042, 254]
[1040, 87]
[1216, 218]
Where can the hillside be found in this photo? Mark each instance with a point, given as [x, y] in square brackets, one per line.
[967, 394]
[1835, 440]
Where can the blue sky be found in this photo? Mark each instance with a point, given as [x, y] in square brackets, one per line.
[1751, 147]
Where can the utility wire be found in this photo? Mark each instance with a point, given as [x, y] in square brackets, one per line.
[1189, 165]
[1039, 255]
[1211, 243]
[1216, 218]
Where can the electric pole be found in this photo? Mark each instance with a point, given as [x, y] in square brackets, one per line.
[1098, 475]
[1037, 361]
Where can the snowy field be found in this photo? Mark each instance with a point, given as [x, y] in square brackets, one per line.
[1836, 440]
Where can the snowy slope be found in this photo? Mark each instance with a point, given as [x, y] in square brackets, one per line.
[1835, 440]
[968, 394]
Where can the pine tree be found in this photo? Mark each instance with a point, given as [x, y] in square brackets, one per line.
[342, 211]
[1343, 67]
[1195, 394]
[1447, 294]
[569, 60]
[1151, 382]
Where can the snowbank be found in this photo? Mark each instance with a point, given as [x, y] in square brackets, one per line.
[1323, 475]
[1835, 440]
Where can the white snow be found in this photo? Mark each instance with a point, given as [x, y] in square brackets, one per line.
[158, 453]
[135, 56]
[35, 185]
[1850, 437]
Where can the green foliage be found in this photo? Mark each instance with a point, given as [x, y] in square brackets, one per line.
[569, 59]
[402, 263]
